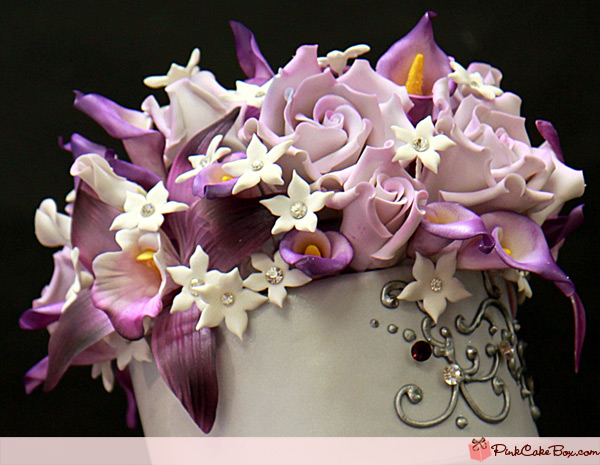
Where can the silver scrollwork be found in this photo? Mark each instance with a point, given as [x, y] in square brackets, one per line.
[508, 349]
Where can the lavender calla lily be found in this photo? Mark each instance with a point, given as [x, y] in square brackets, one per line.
[79, 145]
[520, 244]
[36, 375]
[144, 146]
[132, 172]
[444, 223]
[124, 380]
[186, 360]
[251, 60]
[299, 248]
[556, 229]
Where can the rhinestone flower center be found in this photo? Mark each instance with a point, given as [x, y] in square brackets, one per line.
[274, 275]
[420, 144]
[452, 374]
[195, 285]
[436, 285]
[204, 162]
[298, 210]
[260, 93]
[257, 165]
[147, 210]
[474, 84]
[227, 299]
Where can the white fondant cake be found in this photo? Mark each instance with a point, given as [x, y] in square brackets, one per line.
[320, 367]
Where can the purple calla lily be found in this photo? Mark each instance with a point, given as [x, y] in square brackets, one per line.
[445, 222]
[251, 60]
[135, 173]
[546, 129]
[124, 379]
[335, 250]
[36, 375]
[144, 146]
[209, 184]
[79, 145]
[397, 61]
[556, 229]
[520, 244]
[186, 360]
[182, 192]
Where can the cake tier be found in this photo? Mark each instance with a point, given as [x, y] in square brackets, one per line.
[335, 361]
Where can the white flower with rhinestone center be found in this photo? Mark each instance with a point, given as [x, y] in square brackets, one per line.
[176, 72]
[252, 94]
[337, 60]
[259, 165]
[199, 162]
[275, 275]
[191, 279]
[435, 285]
[422, 144]
[146, 211]
[474, 82]
[227, 299]
[297, 210]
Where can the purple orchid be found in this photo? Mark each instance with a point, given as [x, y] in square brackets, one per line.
[316, 254]
[444, 223]
[402, 65]
[520, 244]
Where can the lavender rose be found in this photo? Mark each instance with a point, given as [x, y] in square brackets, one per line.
[493, 165]
[331, 120]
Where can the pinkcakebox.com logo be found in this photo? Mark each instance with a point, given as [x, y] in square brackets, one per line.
[480, 449]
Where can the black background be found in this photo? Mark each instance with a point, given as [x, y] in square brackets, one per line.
[548, 52]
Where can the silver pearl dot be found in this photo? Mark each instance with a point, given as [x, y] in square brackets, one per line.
[420, 144]
[257, 165]
[392, 329]
[227, 299]
[462, 422]
[409, 335]
[374, 323]
[298, 210]
[274, 275]
[195, 285]
[436, 285]
[147, 210]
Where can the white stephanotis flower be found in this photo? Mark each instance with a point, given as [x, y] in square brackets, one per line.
[129, 350]
[421, 143]
[199, 162]
[108, 375]
[275, 276]
[297, 210]
[337, 60]
[435, 284]
[52, 229]
[520, 279]
[252, 94]
[176, 72]
[474, 82]
[83, 280]
[226, 298]
[146, 211]
[191, 279]
[259, 165]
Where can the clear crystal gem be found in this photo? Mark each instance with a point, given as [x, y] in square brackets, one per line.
[452, 374]
[274, 275]
[436, 285]
[374, 323]
[298, 210]
[420, 144]
[147, 210]
[227, 299]
[257, 165]
[195, 284]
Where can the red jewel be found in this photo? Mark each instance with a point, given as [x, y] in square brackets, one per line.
[421, 351]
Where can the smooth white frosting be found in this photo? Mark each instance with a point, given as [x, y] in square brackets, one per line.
[316, 367]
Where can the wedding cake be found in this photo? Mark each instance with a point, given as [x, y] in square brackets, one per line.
[329, 250]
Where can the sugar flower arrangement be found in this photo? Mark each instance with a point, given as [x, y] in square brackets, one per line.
[226, 199]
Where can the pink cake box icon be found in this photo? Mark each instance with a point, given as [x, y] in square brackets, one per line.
[479, 449]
